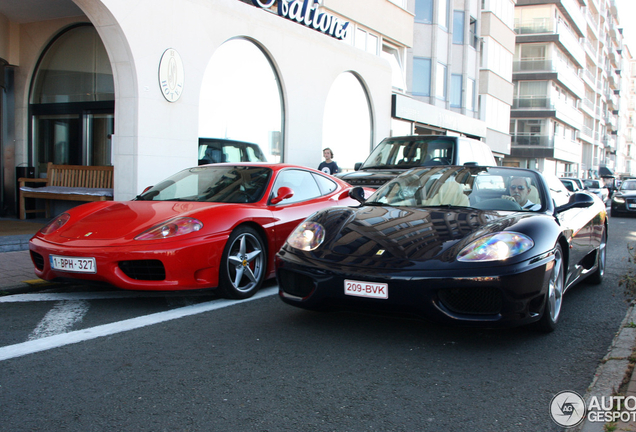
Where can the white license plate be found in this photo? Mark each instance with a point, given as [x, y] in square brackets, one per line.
[632, 205]
[73, 264]
[366, 289]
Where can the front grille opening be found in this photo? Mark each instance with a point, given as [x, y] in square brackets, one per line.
[38, 260]
[471, 301]
[143, 269]
[295, 284]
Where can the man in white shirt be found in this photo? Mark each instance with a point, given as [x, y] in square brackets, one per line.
[519, 190]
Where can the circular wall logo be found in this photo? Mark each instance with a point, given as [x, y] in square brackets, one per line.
[567, 409]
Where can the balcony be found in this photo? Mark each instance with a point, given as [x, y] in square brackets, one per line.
[525, 69]
[541, 146]
[573, 10]
[548, 30]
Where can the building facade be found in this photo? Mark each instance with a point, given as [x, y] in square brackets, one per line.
[567, 77]
[103, 82]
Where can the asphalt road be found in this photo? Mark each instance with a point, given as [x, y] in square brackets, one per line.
[80, 359]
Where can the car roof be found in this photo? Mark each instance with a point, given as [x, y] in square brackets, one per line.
[274, 166]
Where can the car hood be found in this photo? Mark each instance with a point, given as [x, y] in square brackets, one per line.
[392, 238]
[123, 220]
[370, 177]
[626, 194]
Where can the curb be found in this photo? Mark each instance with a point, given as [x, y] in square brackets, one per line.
[25, 287]
[612, 371]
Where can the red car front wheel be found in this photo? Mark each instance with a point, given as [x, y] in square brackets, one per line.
[243, 265]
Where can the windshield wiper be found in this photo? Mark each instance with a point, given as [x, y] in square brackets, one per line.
[377, 204]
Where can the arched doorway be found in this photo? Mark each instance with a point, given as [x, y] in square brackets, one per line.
[72, 102]
[241, 98]
[348, 124]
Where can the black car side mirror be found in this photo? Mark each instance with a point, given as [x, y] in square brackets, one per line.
[357, 193]
[357, 166]
[577, 200]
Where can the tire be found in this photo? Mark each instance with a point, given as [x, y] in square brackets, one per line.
[597, 277]
[243, 264]
[554, 299]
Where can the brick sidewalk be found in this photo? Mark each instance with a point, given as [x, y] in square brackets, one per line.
[16, 268]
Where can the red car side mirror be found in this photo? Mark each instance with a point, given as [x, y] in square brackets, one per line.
[282, 194]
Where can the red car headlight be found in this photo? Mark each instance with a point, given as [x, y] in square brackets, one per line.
[55, 224]
[172, 228]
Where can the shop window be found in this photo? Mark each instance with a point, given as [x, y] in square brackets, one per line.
[241, 98]
[347, 123]
[72, 101]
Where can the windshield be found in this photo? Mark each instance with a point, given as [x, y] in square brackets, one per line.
[594, 184]
[222, 184]
[479, 187]
[410, 153]
[628, 185]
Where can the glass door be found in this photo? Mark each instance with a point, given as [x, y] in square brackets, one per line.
[98, 130]
[56, 139]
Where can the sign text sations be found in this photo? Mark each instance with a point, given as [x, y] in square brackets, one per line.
[305, 12]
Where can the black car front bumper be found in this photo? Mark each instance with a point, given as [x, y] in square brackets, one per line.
[500, 296]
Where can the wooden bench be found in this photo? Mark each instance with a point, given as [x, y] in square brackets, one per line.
[68, 183]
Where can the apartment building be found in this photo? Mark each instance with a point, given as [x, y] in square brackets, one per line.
[567, 79]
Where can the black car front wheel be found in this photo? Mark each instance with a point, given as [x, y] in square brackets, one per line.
[597, 277]
[243, 264]
[554, 299]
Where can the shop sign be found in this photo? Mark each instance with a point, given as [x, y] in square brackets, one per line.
[306, 12]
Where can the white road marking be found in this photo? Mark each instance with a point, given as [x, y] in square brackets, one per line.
[44, 297]
[56, 341]
[60, 319]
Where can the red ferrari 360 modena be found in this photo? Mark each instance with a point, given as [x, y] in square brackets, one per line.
[205, 227]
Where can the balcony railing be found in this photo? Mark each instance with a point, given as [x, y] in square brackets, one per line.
[538, 65]
[538, 25]
[528, 139]
[526, 102]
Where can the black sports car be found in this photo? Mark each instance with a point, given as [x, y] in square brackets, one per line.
[485, 246]
[624, 200]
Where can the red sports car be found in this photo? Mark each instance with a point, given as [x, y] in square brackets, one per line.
[209, 226]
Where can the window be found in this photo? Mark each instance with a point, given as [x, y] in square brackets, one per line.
[472, 33]
[392, 55]
[366, 41]
[72, 101]
[442, 13]
[440, 82]
[225, 90]
[456, 91]
[301, 182]
[470, 95]
[326, 185]
[424, 11]
[421, 76]
[458, 27]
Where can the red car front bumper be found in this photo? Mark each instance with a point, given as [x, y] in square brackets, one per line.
[183, 265]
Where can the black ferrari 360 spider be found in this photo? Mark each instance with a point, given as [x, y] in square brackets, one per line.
[484, 246]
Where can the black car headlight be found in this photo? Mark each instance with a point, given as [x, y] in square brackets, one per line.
[307, 236]
[496, 247]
